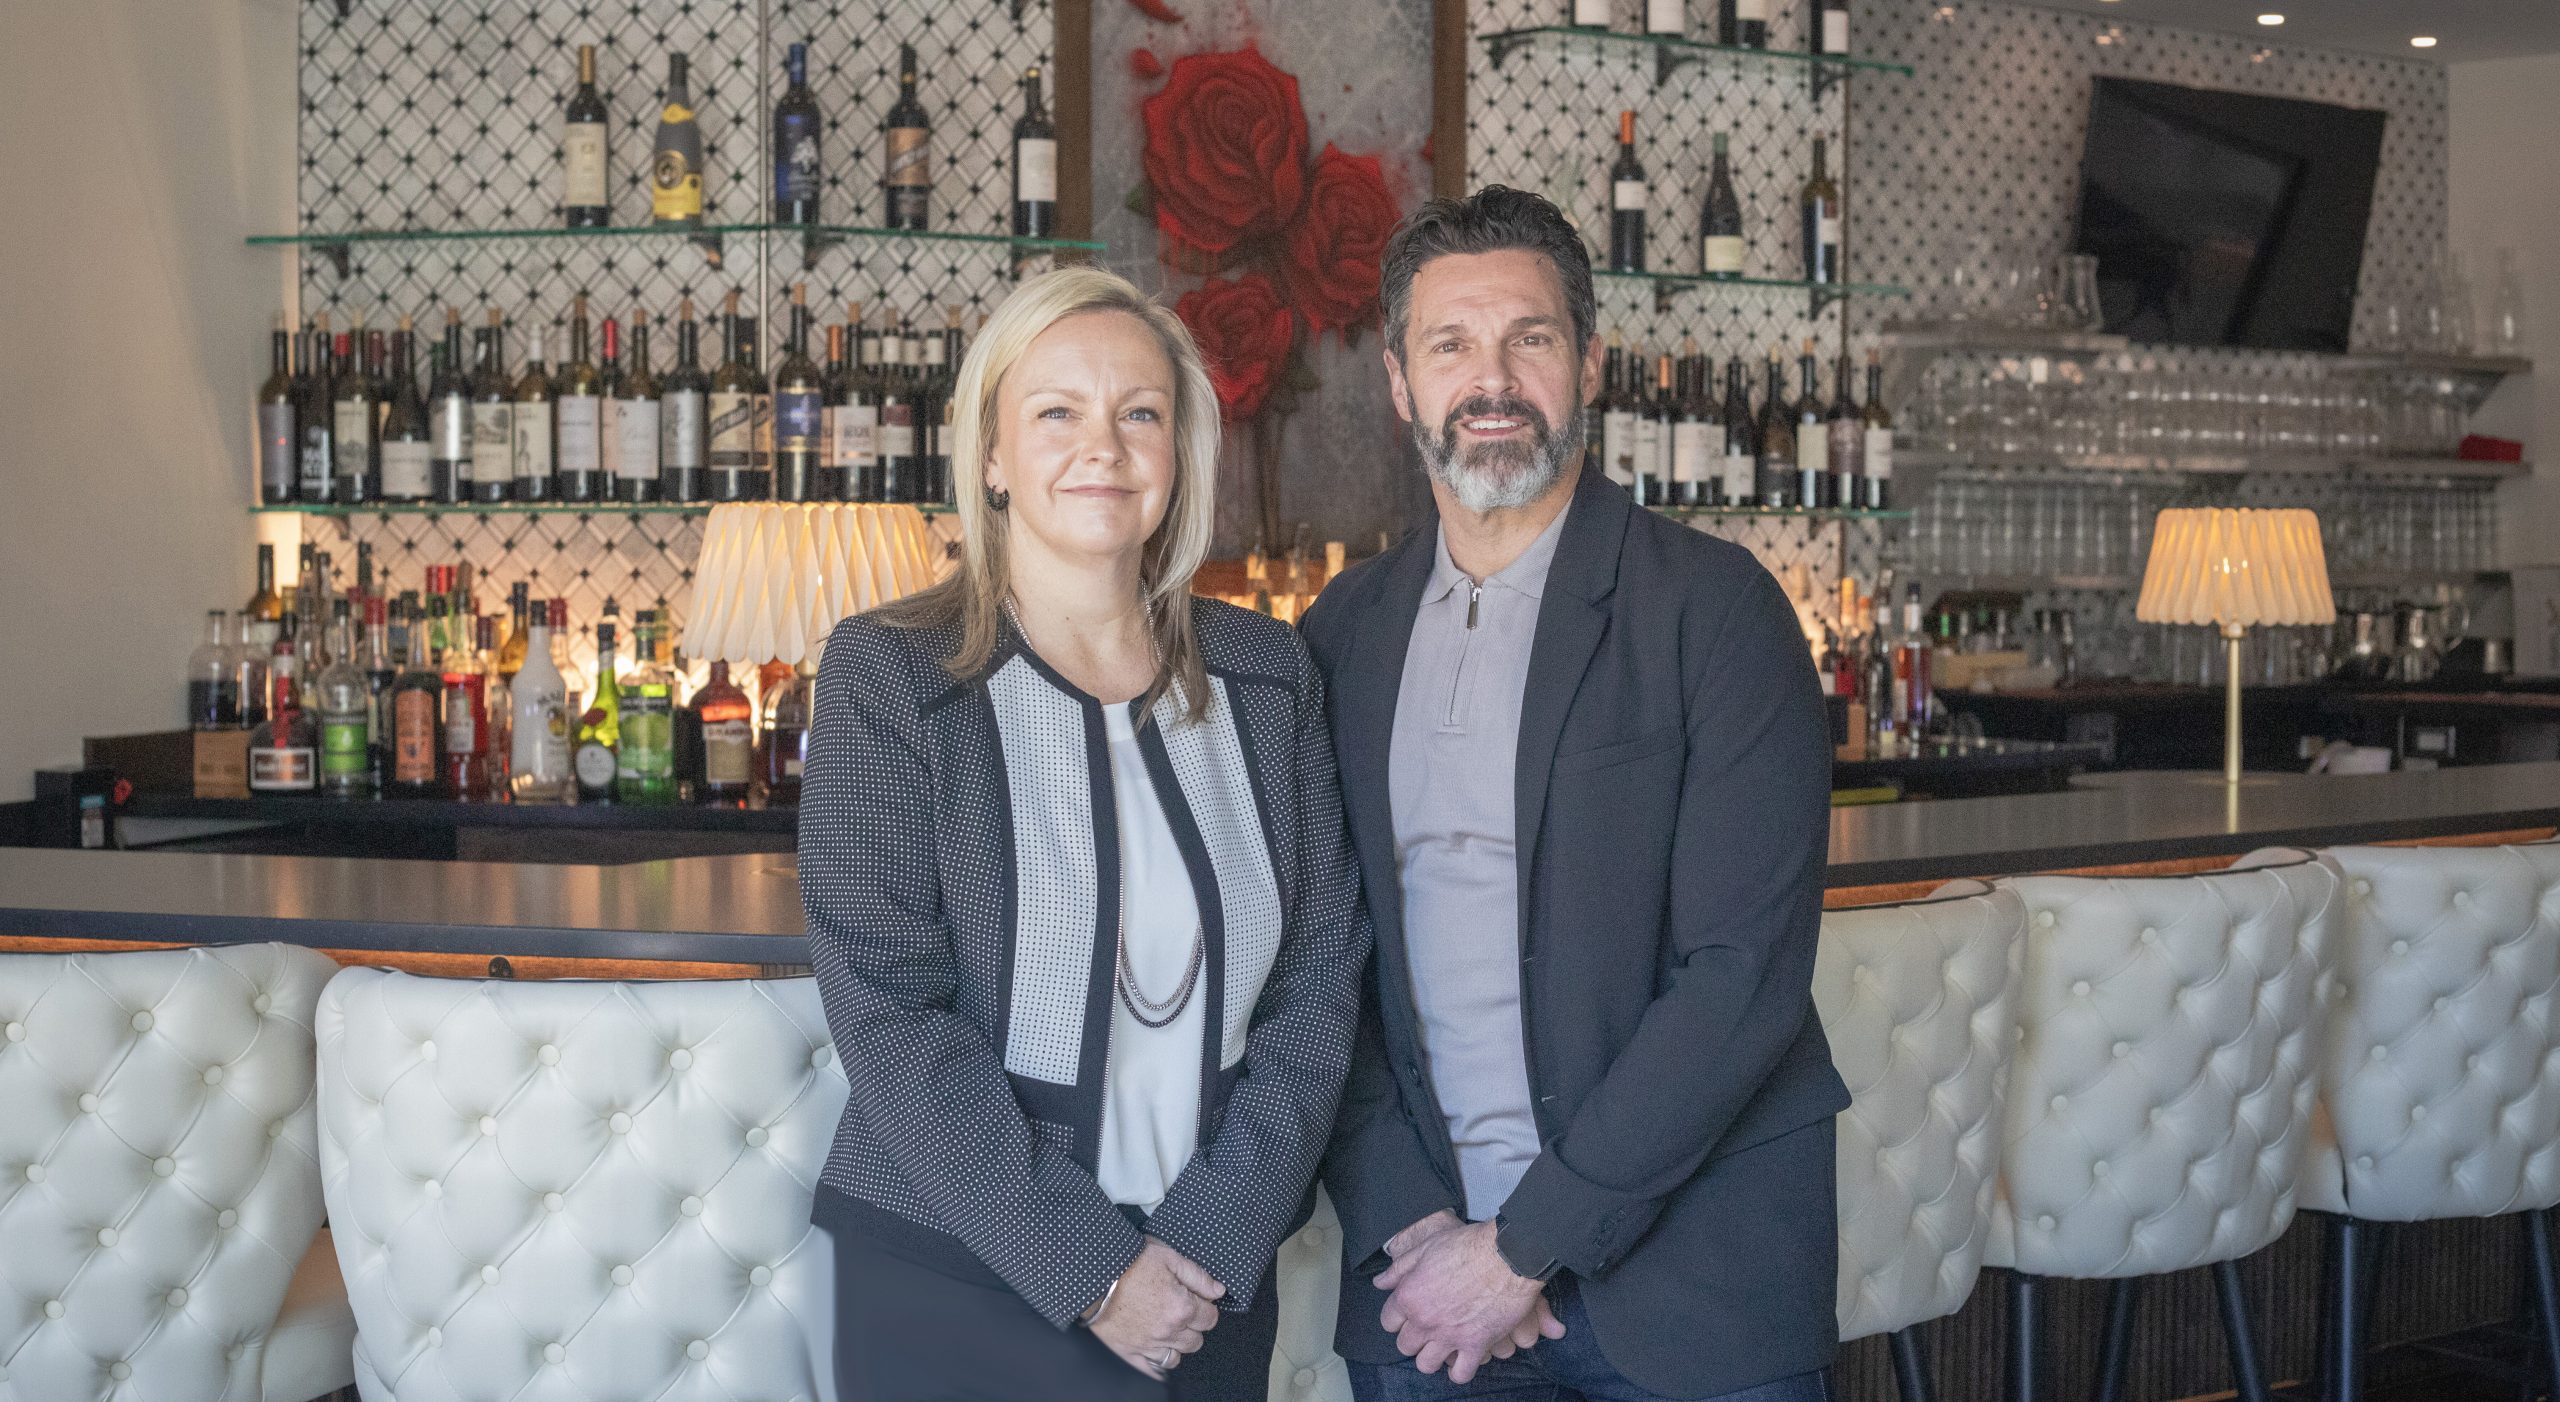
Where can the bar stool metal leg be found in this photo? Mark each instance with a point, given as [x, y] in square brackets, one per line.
[2345, 1297]
[2246, 1377]
[2117, 1342]
[2026, 1328]
[2546, 1288]
[1910, 1366]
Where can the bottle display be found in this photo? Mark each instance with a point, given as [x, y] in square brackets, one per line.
[600, 727]
[799, 403]
[675, 159]
[535, 451]
[1627, 199]
[1035, 165]
[635, 427]
[684, 416]
[578, 404]
[1720, 220]
[284, 751]
[493, 415]
[279, 437]
[728, 739]
[797, 128]
[906, 179]
[645, 757]
[1813, 436]
[408, 446]
[585, 191]
[1876, 460]
[1820, 204]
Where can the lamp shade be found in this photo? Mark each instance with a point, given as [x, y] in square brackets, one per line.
[774, 577]
[2236, 568]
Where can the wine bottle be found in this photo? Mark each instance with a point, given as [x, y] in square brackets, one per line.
[898, 420]
[536, 427]
[934, 403]
[799, 405]
[644, 758]
[637, 471]
[1590, 14]
[1877, 460]
[860, 418]
[1035, 165]
[279, 440]
[1627, 199]
[1831, 32]
[907, 172]
[608, 408]
[831, 378]
[1813, 439]
[1777, 463]
[796, 128]
[1669, 17]
[580, 405]
[408, 450]
[1693, 478]
[1741, 486]
[449, 416]
[1619, 413]
[1751, 23]
[683, 415]
[600, 728]
[675, 161]
[1821, 207]
[352, 400]
[1847, 431]
[735, 388]
[316, 415]
[586, 198]
[1720, 221]
[493, 416]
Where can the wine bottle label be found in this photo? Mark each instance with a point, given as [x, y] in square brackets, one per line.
[1626, 194]
[761, 406]
[283, 767]
[342, 747]
[354, 420]
[319, 456]
[1618, 432]
[452, 435]
[581, 433]
[910, 157]
[493, 442]
[608, 438]
[857, 435]
[1035, 170]
[1724, 254]
[279, 460]
[1666, 16]
[728, 751]
[636, 427]
[1741, 477]
[680, 430]
[795, 158]
[1848, 448]
[897, 432]
[1835, 31]
[582, 165]
[1879, 452]
[405, 472]
[533, 442]
[1589, 12]
[733, 430]
[1648, 446]
[675, 176]
[648, 747]
[1751, 11]
[796, 421]
[461, 720]
[1813, 450]
[1692, 451]
[1826, 226]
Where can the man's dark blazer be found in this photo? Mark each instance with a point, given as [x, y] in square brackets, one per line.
[1673, 815]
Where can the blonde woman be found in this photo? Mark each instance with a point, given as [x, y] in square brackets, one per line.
[1080, 902]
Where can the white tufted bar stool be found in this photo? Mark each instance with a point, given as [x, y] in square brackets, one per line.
[2441, 1080]
[2160, 1097]
[1304, 1367]
[1915, 998]
[160, 1180]
[580, 1190]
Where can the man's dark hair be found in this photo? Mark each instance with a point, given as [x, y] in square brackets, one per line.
[1492, 219]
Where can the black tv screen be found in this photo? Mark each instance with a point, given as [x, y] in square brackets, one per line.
[2226, 219]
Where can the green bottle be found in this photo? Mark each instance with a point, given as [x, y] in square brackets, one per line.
[646, 760]
[600, 729]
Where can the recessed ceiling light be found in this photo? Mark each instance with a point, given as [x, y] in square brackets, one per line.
[2423, 41]
[2271, 20]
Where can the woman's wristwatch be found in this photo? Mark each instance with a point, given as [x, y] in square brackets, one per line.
[1087, 1318]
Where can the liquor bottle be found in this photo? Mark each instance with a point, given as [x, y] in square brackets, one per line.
[1831, 31]
[284, 753]
[493, 415]
[675, 161]
[346, 714]
[907, 172]
[783, 740]
[796, 128]
[1751, 23]
[1915, 708]
[799, 410]
[684, 415]
[1820, 204]
[1653, 434]
[898, 421]
[1741, 438]
[1847, 430]
[316, 415]
[1627, 199]
[534, 401]
[636, 430]
[538, 743]
[1035, 165]
[1777, 439]
[735, 388]
[1813, 438]
[264, 612]
[1882, 689]
[585, 198]
[1590, 14]
[1876, 477]
[1669, 17]
[279, 440]
[645, 760]
[213, 689]
[580, 405]
[449, 418]
[728, 739]
[379, 676]
[417, 718]
[466, 712]
[408, 454]
[1720, 220]
[1617, 408]
[831, 384]
[497, 712]
[600, 728]
[1695, 479]
[352, 403]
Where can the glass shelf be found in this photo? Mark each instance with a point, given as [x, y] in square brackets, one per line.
[1818, 513]
[529, 508]
[1671, 52]
[339, 245]
[1822, 294]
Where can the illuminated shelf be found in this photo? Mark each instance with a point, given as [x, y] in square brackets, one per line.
[1671, 53]
[1668, 285]
[530, 508]
[1818, 513]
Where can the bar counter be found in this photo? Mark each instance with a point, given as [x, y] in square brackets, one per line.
[740, 912]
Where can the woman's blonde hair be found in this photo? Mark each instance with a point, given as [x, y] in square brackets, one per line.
[973, 597]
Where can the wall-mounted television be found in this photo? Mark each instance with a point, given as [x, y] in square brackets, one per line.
[2223, 218]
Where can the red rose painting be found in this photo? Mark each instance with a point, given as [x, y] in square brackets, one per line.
[1245, 332]
[1226, 151]
[1331, 260]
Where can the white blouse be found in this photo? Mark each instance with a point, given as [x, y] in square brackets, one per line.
[1151, 1099]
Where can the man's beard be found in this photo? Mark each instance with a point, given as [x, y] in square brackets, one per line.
[1500, 473]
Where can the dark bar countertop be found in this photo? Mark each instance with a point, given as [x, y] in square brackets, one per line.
[746, 909]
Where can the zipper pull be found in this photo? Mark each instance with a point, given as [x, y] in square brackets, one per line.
[1475, 595]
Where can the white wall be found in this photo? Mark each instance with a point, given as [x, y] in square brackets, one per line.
[2506, 193]
[147, 139]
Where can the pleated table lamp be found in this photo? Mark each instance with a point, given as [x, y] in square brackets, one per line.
[2235, 569]
[774, 577]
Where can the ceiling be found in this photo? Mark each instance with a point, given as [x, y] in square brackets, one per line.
[2465, 30]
